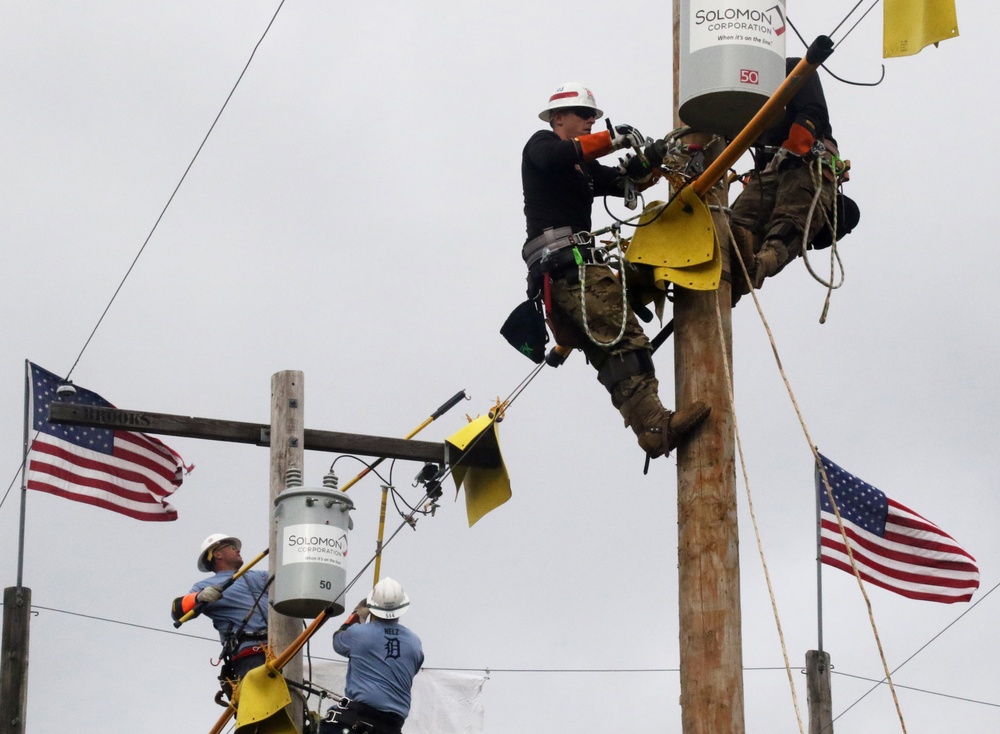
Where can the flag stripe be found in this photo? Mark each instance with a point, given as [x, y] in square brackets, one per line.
[893, 546]
[906, 563]
[931, 593]
[90, 470]
[161, 514]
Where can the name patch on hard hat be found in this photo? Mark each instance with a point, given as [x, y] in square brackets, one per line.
[314, 543]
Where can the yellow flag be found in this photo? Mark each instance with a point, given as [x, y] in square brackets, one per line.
[486, 488]
[909, 25]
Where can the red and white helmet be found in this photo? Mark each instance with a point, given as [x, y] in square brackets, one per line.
[570, 94]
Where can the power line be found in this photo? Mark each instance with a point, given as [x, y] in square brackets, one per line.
[176, 188]
[559, 671]
[163, 211]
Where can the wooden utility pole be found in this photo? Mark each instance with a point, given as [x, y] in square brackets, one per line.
[287, 451]
[14, 662]
[711, 644]
[288, 439]
[818, 691]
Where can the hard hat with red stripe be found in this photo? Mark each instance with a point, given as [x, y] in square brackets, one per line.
[570, 94]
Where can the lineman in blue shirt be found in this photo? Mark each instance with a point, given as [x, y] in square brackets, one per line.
[238, 611]
[383, 657]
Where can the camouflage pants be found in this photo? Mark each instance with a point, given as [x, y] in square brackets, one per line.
[775, 205]
[602, 299]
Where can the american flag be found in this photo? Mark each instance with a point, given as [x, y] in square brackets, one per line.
[893, 546]
[121, 471]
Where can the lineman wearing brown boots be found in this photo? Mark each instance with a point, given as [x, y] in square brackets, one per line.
[770, 215]
[561, 176]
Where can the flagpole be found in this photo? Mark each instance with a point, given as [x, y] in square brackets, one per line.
[819, 562]
[24, 469]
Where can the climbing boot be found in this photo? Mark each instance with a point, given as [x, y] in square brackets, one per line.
[657, 429]
[745, 245]
[765, 265]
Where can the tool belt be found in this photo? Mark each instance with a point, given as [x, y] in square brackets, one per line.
[248, 651]
[362, 718]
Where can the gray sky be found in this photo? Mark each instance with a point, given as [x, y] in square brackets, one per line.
[356, 214]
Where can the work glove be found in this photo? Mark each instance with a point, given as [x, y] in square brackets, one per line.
[209, 594]
[637, 169]
[800, 140]
[626, 136]
[655, 152]
[362, 610]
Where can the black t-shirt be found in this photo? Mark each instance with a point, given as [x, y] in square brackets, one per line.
[559, 187]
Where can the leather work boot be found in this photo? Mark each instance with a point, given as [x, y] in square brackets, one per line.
[658, 430]
[765, 265]
[745, 244]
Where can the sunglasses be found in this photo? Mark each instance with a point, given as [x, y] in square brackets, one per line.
[584, 113]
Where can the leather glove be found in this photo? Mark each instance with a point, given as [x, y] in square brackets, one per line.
[626, 136]
[209, 594]
[362, 610]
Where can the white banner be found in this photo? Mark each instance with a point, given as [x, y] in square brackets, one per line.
[443, 702]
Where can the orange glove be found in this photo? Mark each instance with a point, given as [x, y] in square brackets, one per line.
[595, 145]
[800, 139]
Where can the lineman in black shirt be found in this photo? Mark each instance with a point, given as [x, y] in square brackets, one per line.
[561, 176]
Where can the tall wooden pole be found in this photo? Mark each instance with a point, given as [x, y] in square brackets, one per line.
[287, 443]
[14, 661]
[711, 646]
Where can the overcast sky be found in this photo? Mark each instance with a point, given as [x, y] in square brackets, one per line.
[356, 215]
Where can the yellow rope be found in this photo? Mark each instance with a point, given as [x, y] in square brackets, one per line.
[826, 482]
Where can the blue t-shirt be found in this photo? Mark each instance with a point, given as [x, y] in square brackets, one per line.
[228, 613]
[384, 656]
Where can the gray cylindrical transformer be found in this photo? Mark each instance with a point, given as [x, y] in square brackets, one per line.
[732, 58]
[312, 526]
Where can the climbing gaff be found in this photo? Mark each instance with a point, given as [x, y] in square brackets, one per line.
[487, 485]
[201, 605]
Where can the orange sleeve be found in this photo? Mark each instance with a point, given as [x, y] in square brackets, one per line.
[595, 145]
[182, 605]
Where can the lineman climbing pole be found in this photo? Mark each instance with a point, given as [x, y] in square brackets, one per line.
[711, 646]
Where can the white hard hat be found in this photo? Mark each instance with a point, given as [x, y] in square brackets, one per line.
[209, 544]
[388, 600]
[570, 94]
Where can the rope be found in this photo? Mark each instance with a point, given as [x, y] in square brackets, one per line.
[817, 176]
[582, 274]
[753, 517]
[826, 482]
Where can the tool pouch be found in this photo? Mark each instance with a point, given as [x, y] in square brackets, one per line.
[848, 216]
[525, 330]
